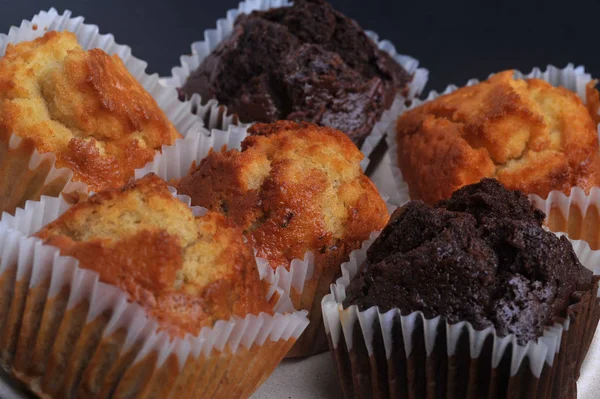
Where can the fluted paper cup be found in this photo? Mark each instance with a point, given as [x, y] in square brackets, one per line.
[216, 116]
[66, 334]
[302, 280]
[394, 355]
[577, 214]
[26, 174]
[571, 77]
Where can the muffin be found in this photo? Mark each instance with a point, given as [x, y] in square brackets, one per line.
[150, 288]
[293, 188]
[307, 62]
[475, 299]
[526, 133]
[81, 107]
[187, 272]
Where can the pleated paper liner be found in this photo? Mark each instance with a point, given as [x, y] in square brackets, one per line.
[213, 113]
[66, 334]
[570, 77]
[26, 174]
[305, 282]
[34, 172]
[381, 355]
[577, 214]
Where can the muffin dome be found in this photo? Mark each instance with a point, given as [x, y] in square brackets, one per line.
[306, 62]
[294, 187]
[529, 135]
[184, 270]
[472, 258]
[84, 106]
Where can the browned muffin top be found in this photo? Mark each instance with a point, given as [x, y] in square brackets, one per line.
[186, 271]
[84, 106]
[294, 187]
[482, 257]
[526, 133]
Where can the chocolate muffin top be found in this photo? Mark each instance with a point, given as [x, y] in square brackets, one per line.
[307, 62]
[482, 256]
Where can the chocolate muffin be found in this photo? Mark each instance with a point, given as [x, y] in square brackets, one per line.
[482, 256]
[307, 62]
[470, 298]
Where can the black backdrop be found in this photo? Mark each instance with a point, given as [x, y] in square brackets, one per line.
[455, 40]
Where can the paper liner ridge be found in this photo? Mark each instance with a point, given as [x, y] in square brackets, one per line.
[339, 322]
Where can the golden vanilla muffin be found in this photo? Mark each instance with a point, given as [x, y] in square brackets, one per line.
[528, 134]
[293, 188]
[83, 106]
[186, 271]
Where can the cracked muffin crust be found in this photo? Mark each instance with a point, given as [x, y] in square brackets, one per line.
[84, 106]
[293, 187]
[528, 134]
[481, 256]
[186, 271]
[306, 62]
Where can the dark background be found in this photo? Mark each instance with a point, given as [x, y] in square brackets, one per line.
[455, 40]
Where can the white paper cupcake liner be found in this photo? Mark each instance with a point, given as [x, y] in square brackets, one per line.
[297, 280]
[176, 161]
[35, 173]
[213, 114]
[368, 346]
[45, 178]
[65, 333]
[571, 77]
[577, 214]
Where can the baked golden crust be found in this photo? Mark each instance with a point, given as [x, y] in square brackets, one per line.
[294, 187]
[187, 271]
[528, 134]
[84, 106]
